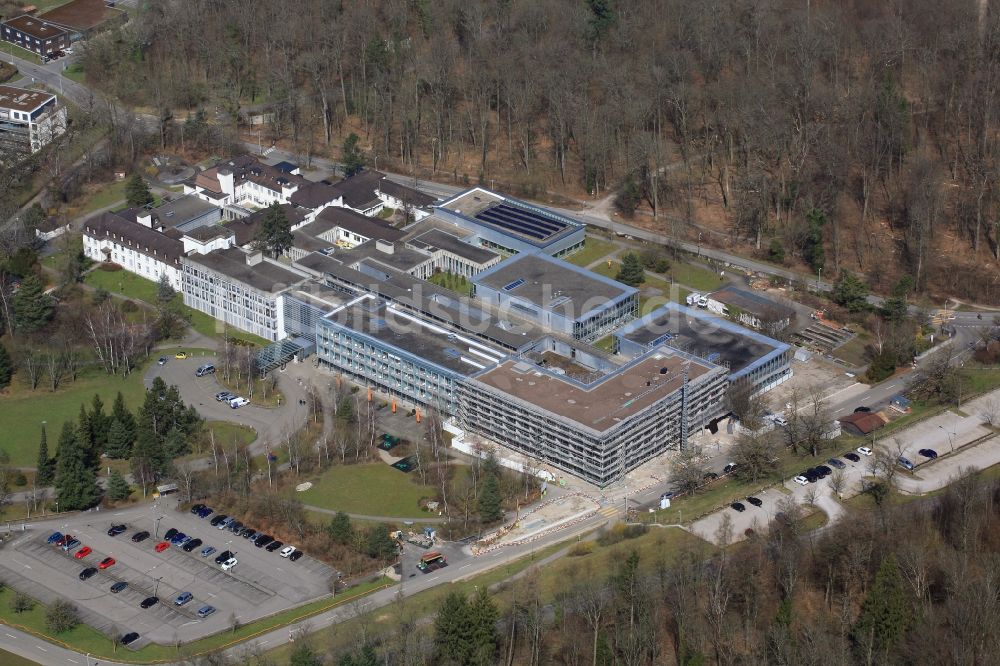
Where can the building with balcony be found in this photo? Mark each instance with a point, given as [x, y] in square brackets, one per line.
[29, 120]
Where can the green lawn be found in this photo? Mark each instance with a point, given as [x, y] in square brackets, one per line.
[695, 276]
[11, 659]
[85, 639]
[606, 343]
[18, 52]
[132, 286]
[108, 195]
[375, 489]
[75, 73]
[594, 249]
[22, 411]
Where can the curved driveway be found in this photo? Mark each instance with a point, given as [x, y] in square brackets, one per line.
[272, 424]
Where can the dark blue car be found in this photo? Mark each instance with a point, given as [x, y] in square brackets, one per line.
[180, 536]
[205, 512]
[55, 536]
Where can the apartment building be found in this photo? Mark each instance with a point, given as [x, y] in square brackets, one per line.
[114, 238]
[29, 120]
[33, 34]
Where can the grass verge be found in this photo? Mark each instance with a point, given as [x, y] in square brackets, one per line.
[593, 249]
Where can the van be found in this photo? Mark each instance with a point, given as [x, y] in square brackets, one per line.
[703, 302]
[204, 370]
[692, 298]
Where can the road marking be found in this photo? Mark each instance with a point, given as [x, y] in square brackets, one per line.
[73, 660]
[41, 648]
[433, 579]
[12, 636]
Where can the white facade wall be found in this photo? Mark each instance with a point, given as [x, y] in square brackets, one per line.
[143, 265]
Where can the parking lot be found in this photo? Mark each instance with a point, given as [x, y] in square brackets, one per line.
[261, 584]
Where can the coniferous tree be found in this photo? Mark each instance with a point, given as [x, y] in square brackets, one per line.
[452, 638]
[886, 613]
[275, 235]
[100, 423]
[76, 480]
[119, 442]
[490, 502]
[137, 191]
[631, 272]
[45, 470]
[340, 529]
[164, 290]
[380, 545]
[120, 413]
[354, 162]
[32, 306]
[118, 488]
[85, 437]
[304, 655]
[6, 367]
[483, 617]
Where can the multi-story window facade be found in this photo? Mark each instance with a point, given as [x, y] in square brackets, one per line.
[29, 120]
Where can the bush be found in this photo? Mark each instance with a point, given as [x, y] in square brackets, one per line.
[582, 548]
[662, 265]
[620, 532]
[20, 479]
[129, 306]
[111, 267]
[21, 603]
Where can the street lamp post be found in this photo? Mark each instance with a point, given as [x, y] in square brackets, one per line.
[699, 243]
[156, 527]
[819, 279]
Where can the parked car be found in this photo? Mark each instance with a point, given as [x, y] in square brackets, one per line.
[87, 573]
[928, 453]
[191, 545]
[780, 420]
[224, 396]
[178, 538]
[183, 598]
[149, 602]
[823, 471]
[223, 556]
[205, 512]
[181, 355]
[115, 530]
[54, 537]
[83, 552]
[171, 533]
[710, 476]
[229, 564]
[139, 537]
[129, 638]
[836, 462]
[236, 527]
[906, 462]
[61, 541]
[862, 409]
[161, 361]
[294, 557]
[273, 546]
[801, 480]
[728, 468]
[218, 519]
[71, 544]
[852, 456]
[248, 532]
[162, 546]
[262, 540]
[186, 540]
[206, 369]
[205, 611]
[755, 501]
[287, 550]
[738, 506]
[207, 550]
[196, 508]
[118, 587]
[106, 562]
[238, 402]
[224, 525]
[864, 450]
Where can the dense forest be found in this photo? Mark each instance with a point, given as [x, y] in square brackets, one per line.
[857, 134]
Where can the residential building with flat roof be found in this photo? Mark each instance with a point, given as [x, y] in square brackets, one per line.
[33, 34]
[29, 120]
[558, 295]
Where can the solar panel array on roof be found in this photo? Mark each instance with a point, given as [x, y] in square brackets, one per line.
[513, 285]
[521, 221]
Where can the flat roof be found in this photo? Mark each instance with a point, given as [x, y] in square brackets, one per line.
[34, 26]
[23, 99]
[604, 403]
[181, 210]
[401, 257]
[755, 304]
[552, 284]
[512, 217]
[209, 232]
[82, 15]
[713, 338]
[232, 262]
[449, 349]
[441, 240]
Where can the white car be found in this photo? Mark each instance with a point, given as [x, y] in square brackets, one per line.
[780, 420]
[238, 402]
[801, 480]
[230, 563]
[864, 450]
[287, 550]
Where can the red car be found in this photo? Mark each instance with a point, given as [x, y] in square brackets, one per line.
[162, 546]
[106, 562]
[83, 552]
